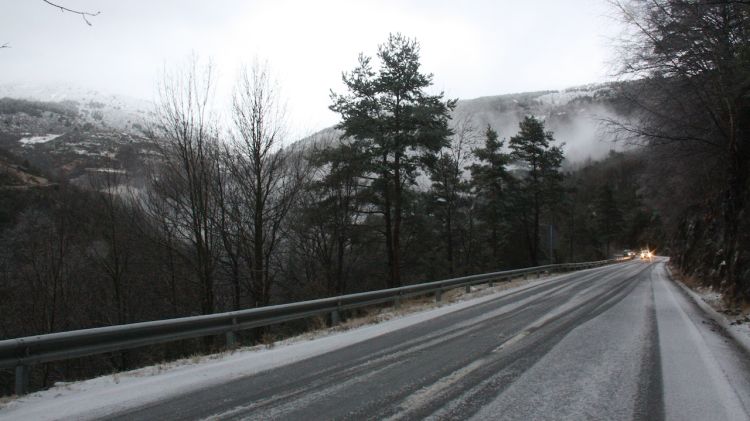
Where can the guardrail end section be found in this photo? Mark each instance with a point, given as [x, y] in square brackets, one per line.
[22, 379]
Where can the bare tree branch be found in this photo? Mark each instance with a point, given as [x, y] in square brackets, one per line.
[84, 15]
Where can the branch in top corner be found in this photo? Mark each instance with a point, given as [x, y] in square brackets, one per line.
[82, 14]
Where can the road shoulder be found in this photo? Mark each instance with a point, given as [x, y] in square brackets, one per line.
[705, 373]
[740, 333]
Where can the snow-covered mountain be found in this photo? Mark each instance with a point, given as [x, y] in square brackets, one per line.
[100, 109]
[71, 133]
[575, 116]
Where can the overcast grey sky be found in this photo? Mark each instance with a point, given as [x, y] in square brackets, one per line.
[473, 47]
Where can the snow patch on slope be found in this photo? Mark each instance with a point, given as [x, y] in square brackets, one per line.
[33, 140]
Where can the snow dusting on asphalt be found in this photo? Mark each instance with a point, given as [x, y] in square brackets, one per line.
[108, 394]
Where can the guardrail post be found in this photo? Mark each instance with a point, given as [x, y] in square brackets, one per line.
[467, 289]
[539, 274]
[231, 340]
[335, 318]
[397, 301]
[525, 276]
[22, 380]
[491, 283]
[231, 336]
[438, 295]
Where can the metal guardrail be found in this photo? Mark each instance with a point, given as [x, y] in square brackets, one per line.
[21, 353]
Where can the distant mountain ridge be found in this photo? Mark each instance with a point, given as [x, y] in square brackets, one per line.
[117, 111]
[574, 115]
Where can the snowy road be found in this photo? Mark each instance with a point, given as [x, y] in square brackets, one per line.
[620, 342]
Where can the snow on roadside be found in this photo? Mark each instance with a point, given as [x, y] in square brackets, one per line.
[713, 298]
[33, 140]
[736, 321]
[108, 394]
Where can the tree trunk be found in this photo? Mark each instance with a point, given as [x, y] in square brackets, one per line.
[396, 271]
[535, 238]
[734, 209]
[449, 241]
[388, 225]
[258, 258]
[236, 283]
[341, 249]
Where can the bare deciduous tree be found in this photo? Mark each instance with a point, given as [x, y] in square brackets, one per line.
[264, 171]
[112, 254]
[186, 135]
[692, 100]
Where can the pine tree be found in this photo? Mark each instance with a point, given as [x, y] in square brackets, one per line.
[491, 180]
[448, 196]
[395, 123]
[539, 188]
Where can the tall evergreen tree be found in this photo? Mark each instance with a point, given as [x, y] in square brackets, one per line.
[448, 194]
[395, 123]
[491, 179]
[540, 185]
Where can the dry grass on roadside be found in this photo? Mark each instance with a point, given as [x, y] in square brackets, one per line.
[421, 303]
[4, 400]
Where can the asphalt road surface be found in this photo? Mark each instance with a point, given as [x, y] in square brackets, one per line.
[620, 342]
